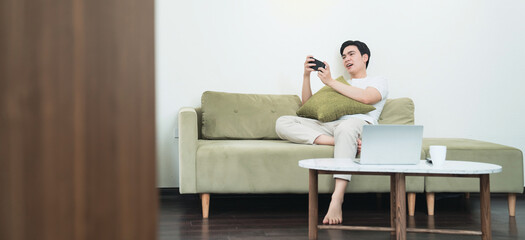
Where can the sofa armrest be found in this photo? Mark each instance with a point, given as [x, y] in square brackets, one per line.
[188, 135]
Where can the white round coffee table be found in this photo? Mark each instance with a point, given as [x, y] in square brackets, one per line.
[397, 173]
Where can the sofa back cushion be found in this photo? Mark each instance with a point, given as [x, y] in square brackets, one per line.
[244, 116]
[398, 111]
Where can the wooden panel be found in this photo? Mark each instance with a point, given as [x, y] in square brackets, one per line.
[77, 120]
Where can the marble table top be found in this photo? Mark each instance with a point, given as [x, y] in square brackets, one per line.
[449, 167]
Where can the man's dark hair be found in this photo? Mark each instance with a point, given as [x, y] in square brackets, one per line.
[361, 46]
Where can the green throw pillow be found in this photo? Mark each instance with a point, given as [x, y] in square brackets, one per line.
[328, 105]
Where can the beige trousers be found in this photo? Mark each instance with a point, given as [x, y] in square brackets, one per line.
[305, 130]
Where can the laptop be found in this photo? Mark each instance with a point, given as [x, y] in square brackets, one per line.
[391, 144]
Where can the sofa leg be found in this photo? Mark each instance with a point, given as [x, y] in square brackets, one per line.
[205, 201]
[512, 204]
[411, 203]
[467, 195]
[430, 203]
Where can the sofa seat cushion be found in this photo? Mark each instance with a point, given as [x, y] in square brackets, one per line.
[511, 160]
[271, 166]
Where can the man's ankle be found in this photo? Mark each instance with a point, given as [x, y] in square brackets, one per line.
[337, 197]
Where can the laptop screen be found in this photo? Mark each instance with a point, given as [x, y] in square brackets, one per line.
[391, 144]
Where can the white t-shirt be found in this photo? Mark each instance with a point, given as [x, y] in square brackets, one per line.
[378, 83]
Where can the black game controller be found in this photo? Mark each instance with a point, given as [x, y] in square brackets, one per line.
[318, 64]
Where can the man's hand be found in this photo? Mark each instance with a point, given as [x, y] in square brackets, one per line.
[359, 145]
[308, 65]
[325, 75]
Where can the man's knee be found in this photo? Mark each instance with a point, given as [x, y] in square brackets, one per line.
[352, 127]
[282, 123]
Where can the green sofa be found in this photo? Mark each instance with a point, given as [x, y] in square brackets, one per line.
[229, 145]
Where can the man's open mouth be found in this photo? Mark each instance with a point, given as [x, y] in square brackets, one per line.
[349, 65]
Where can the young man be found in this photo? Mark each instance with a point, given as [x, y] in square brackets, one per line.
[343, 133]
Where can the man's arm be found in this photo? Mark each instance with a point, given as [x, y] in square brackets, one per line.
[370, 95]
[307, 89]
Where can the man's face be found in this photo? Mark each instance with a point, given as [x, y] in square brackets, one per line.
[353, 61]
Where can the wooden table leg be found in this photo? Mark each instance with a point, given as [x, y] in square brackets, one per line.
[484, 191]
[400, 201]
[312, 205]
[393, 203]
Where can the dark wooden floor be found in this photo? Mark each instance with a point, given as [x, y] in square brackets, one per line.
[286, 216]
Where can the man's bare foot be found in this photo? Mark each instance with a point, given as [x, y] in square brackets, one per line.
[335, 212]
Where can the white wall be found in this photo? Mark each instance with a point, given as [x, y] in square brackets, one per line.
[461, 61]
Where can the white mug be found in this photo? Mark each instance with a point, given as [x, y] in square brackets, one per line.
[438, 154]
